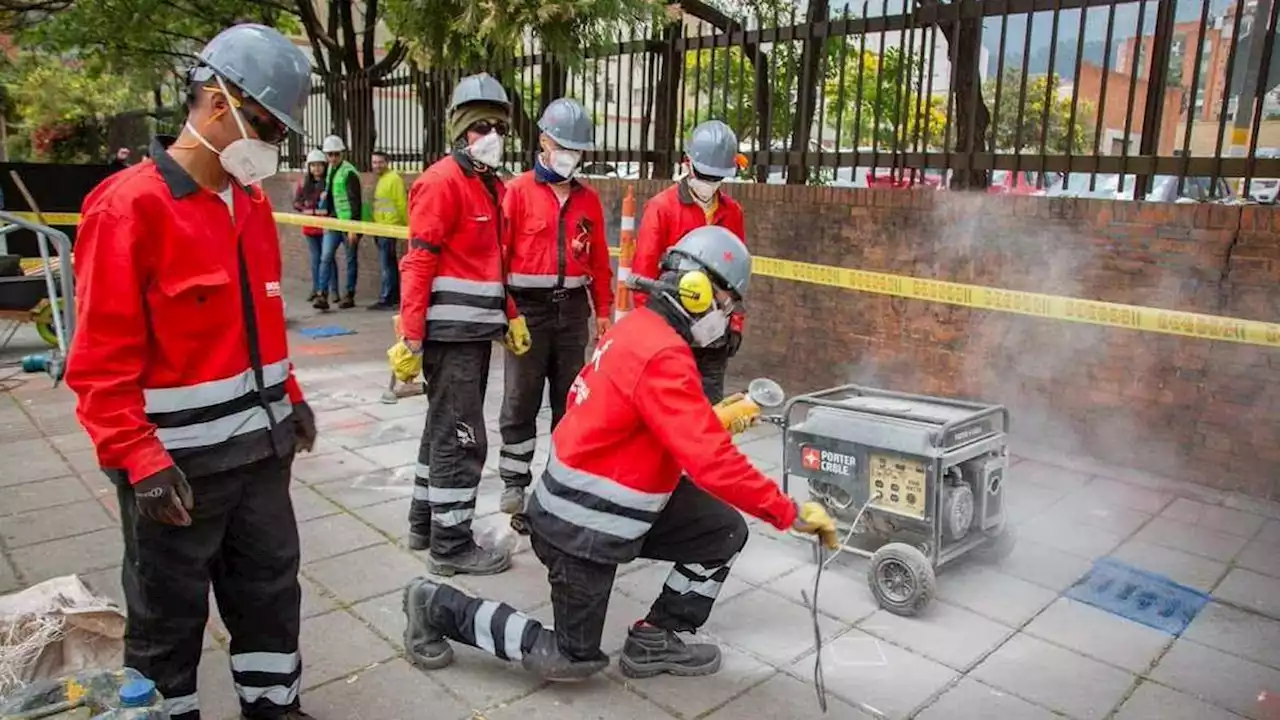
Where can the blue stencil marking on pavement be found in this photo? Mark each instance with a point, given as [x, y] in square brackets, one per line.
[1138, 595]
[325, 331]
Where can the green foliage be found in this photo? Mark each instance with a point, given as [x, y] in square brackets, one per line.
[1011, 136]
[879, 101]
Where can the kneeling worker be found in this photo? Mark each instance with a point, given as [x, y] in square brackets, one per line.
[613, 491]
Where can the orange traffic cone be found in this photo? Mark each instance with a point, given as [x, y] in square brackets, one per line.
[623, 302]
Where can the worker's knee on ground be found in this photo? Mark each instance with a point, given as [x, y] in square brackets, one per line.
[736, 533]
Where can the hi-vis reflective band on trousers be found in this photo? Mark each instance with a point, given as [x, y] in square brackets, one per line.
[499, 630]
[515, 458]
[592, 502]
[449, 506]
[545, 282]
[213, 412]
[698, 579]
[282, 667]
[182, 704]
[1051, 307]
[458, 300]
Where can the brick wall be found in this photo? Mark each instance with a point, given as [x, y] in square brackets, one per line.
[1207, 412]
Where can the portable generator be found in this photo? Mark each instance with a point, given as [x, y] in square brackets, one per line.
[913, 482]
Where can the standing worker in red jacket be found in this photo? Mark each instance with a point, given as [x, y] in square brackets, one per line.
[613, 491]
[557, 253]
[181, 370]
[453, 305]
[693, 202]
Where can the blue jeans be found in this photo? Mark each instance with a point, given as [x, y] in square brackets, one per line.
[390, 294]
[329, 264]
[316, 243]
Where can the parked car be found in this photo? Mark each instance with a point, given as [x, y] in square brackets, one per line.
[1164, 188]
[1264, 190]
[1022, 182]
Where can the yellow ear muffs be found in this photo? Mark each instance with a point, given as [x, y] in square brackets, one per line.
[696, 293]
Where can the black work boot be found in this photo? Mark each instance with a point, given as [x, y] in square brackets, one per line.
[652, 651]
[512, 500]
[348, 302]
[474, 561]
[424, 645]
[321, 303]
[546, 661]
[419, 541]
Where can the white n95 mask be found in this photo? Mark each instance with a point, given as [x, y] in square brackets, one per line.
[487, 150]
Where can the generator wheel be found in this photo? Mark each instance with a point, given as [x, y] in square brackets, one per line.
[901, 579]
[997, 547]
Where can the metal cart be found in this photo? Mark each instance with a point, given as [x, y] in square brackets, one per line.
[45, 297]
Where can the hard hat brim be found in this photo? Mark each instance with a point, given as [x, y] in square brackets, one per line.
[283, 117]
[568, 144]
[706, 169]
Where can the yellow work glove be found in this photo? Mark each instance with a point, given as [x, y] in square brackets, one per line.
[517, 339]
[737, 413]
[406, 364]
[813, 519]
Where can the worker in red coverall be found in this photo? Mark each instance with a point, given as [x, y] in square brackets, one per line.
[613, 491]
[453, 305]
[181, 370]
[558, 254]
[696, 201]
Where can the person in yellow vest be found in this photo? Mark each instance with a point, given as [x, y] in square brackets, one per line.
[390, 207]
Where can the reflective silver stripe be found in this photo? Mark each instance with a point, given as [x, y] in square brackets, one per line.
[275, 694]
[482, 626]
[683, 585]
[222, 429]
[421, 493]
[451, 495]
[605, 488]
[468, 287]
[453, 517]
[181, 704]
[517, 448]
[513, 636]
[512, 631]
[466, 313]
[520, 280]
[163, 400]
[577, 515]
[513, 465]
[422, 471]
[265, 662]
[628, 223]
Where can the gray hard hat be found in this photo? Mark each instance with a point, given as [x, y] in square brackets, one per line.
[567, 122]
[265, 66]
[713, 149]
[481, 87]
[715, 250]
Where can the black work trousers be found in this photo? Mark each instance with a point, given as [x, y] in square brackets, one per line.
[454, 444]
[559, 323]
[243, 539]
[713, 362]
[699, 533]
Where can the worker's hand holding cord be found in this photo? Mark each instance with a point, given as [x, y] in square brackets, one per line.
[813, 519]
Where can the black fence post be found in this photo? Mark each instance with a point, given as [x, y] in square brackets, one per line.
[1157, 81]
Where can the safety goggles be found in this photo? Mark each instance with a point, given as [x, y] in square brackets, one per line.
[484, 127]
[265, 126]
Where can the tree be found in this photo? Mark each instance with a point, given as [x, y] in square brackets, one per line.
[878, 101]
[1010, 135]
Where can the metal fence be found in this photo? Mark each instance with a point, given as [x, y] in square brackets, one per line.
[1162, 99]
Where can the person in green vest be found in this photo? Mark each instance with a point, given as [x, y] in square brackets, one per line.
[390, 207]
[342, 185]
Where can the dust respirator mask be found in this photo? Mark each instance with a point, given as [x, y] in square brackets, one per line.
[565, 162]
[703, 190]
[710, 327]
[248, 160]
[487, 150]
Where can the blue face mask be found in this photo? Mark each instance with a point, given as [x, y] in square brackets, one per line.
[546, 174]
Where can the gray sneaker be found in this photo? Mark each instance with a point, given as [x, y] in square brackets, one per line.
[476, 561]
[424, 645]
[652, 651]
[512, 500]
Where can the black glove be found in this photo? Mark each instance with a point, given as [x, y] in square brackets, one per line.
[305, 426]
[165, 497]
[735, 342]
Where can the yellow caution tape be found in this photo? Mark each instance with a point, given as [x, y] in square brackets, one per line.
[1055, 307]
[56, 219]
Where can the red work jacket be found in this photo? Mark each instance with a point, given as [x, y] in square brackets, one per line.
[451, 279]
[557, 246]
[180, 354]
[669, 216]
[636, 416]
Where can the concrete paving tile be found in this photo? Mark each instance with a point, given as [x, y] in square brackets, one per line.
[1257, 506]
[52, 523]
[1192, 538]
[783, 696]
[42, 494]
[8, 578]
[769, 626]
[643, 585]
[83, 462]
[414, 407]
[971, 700]
[1043, 565]
[366, 573]
[1090, 509]
[1248, 589]
[308, 505]
[1260, 556]
[524, 586]
[1270, 533]
[947, 634]
[1100, 635]
[765, 452]
[596, 698]
[1152, 701]
[866, 671]
[1216, 677]
[1241, 633]
[79, 554]
[1052, 476]
[1064, 533]
[390, 691]
[39, 462]
[381, 432]
[391, 518]
[16, 427]
[218, 700]
[1129, 496]
[386, 614]
[1213, 517]
[483, 681]
[71, 442]
[334, 535]
[1055, 678]
[335, 645]
[993, 594]
[683, 699]
[1194, 571]
[843, 593]
[315, 469]
[369, 488]
[391, 455]
[1025, 501]
[765, 558]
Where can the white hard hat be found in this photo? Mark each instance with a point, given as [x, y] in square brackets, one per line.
[316, 156]
[333, 143]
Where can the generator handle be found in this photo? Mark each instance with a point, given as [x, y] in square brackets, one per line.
[987, 411]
